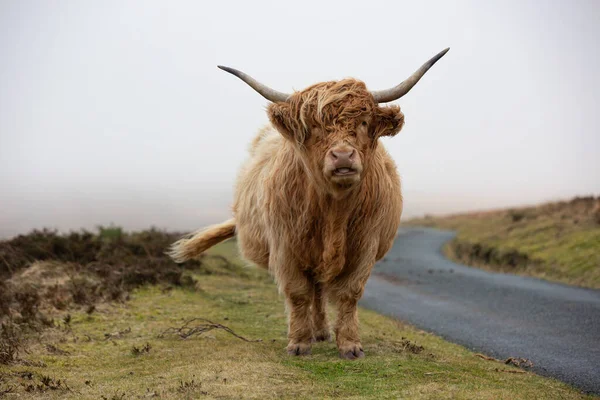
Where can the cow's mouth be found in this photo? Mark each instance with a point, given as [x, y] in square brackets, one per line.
[345, 171]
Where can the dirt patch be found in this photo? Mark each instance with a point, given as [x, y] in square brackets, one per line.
[407, 346]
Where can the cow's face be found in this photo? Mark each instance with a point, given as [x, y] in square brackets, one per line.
[335, 127]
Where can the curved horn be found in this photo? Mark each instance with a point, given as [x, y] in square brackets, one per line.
[263, 90]
[383, 96]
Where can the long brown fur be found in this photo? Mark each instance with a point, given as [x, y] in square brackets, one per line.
[318, 238]
[187, 248]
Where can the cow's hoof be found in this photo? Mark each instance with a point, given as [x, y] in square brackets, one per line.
[352, 352]
[322, 336]
[298, 349]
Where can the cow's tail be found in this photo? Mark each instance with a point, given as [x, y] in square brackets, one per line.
[198, 242]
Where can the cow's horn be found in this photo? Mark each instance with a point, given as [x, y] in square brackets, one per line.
[383, 96]
[263, 90]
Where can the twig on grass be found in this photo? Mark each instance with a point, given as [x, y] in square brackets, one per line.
[511, 371]
[483, 356]
[516, 361]
[185, 331]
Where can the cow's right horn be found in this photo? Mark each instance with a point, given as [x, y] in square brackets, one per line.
[384, 96]
[263, 90]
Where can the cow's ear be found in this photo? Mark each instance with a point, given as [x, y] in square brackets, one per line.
[281, 117]
[388, 121]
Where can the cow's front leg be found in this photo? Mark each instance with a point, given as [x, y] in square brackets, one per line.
[346, 291]
[346, 328]
[298, 290]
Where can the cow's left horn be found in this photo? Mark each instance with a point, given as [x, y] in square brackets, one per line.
[263, 90]
[383, 96]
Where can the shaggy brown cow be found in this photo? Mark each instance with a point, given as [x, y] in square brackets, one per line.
[318, 202]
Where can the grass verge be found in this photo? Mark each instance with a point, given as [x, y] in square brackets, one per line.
[556, 241]
[117, 352]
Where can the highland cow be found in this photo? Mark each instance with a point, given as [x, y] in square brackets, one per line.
[318, 202]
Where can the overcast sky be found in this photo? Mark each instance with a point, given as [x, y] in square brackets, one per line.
[114, 111]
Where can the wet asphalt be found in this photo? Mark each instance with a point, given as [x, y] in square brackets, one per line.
[555, 326]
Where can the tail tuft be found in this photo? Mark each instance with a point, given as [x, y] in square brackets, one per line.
[198, 242]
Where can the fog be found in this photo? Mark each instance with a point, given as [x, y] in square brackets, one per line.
[115, 112]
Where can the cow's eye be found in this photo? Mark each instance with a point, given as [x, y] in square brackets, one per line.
[364, 123]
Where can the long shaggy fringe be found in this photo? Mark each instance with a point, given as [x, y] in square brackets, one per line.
[333, 105]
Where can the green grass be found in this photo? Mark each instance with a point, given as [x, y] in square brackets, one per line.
[556, 241]
[218, 365]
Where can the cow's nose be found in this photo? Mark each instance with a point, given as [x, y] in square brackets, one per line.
[342, 158]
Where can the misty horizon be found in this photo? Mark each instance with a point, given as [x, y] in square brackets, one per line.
[116, 113]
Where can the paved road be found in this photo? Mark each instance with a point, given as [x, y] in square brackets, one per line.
[555, 326]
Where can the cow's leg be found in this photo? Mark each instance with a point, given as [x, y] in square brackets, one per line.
[346, 326]
[297, 287]
[345, 292]
[319, 314]
[298, 292]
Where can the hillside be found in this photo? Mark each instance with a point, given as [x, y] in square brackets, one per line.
[108, 316]
[557, 241]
